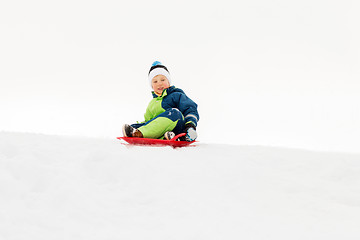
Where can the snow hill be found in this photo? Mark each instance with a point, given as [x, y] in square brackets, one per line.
[54, 187]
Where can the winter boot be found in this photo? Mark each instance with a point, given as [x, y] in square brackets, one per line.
[129, 131]
[169, 135]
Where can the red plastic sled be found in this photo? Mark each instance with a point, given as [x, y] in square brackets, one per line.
[156, 142]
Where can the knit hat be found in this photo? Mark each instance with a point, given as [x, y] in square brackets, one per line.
[158, 68]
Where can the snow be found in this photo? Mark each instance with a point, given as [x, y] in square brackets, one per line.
[57, 187]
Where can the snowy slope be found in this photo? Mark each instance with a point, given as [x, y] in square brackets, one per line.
[54, 187]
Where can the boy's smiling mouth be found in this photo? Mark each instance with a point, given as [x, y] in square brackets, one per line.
[159, 84]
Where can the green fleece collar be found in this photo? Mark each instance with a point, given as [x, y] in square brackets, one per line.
[164, 93]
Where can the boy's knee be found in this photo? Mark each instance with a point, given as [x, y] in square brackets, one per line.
[176, 113]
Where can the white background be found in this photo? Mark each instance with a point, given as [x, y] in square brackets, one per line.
[279, 73]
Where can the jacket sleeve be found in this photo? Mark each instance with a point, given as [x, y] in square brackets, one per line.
[189, 109]
[148, 116]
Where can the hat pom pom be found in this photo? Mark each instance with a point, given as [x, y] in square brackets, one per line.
[156, 63]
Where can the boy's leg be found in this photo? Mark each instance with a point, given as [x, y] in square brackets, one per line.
[170, 120]
[137, 125]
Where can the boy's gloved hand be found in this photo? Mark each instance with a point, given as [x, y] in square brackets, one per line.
[190, 130]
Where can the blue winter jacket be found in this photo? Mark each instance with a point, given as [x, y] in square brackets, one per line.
[173, 97]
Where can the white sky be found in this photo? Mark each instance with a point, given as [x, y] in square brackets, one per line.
[279, 73]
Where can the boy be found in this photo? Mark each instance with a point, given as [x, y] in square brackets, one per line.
[169, 113]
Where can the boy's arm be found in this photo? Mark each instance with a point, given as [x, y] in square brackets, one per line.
[189, 109]
[147, 115]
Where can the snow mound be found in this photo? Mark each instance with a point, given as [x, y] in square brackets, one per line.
[54, 187]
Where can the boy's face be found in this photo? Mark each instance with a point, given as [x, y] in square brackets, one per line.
[159, 83]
